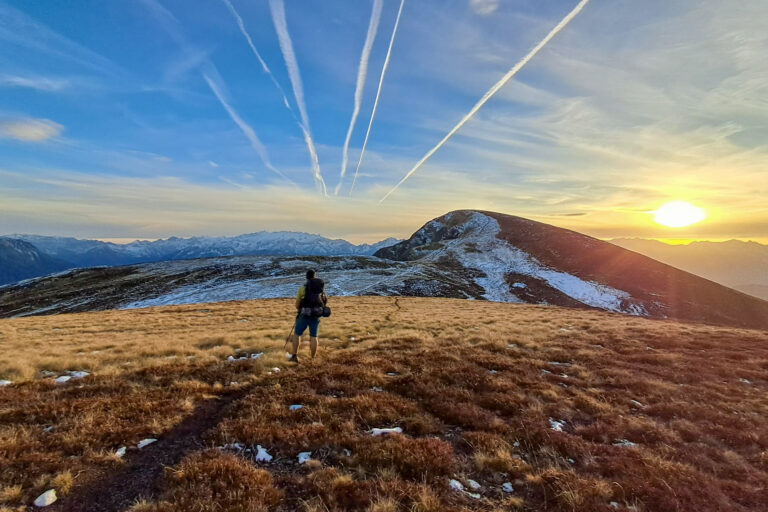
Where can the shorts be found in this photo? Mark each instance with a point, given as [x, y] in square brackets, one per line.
[302, 322]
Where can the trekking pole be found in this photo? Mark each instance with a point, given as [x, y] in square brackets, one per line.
[288, 338]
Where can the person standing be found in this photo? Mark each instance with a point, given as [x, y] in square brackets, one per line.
[310, 302]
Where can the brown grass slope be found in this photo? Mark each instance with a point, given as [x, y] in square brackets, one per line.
[665, 291]
[654, 415]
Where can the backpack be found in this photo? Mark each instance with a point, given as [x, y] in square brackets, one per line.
[313, 305]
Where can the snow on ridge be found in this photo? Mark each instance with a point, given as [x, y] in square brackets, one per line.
[497, 258]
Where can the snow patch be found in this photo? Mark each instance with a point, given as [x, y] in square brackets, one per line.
[507, 487]
[304, 457]
[47, 498]
[295, 407]
[121, 452]
[5, 383]
[63, 379]
[145, 442]
[557, 426]
[385, 431]
[262, 455]
[456, 485]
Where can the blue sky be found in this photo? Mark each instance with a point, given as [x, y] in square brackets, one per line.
[152, 118]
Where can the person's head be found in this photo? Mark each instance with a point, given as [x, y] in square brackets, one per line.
[310, 274]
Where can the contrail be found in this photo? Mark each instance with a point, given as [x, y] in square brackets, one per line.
[286, 46]
[493, 90]
[244, 127]
[362, 71]
[264, 66]
[378, 93]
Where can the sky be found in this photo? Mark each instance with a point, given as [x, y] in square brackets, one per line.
[147, 119]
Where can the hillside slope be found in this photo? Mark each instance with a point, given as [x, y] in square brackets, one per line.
[525, 407]
[22, 260]
[739, 265]
[518, 254]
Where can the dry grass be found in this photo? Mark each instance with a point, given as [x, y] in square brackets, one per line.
[473, 385]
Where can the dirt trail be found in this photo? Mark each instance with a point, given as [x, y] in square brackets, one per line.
[142, 473]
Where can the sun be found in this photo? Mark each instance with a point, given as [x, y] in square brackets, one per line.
[678, 214]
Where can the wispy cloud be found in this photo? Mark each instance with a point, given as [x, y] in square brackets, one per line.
[362, 71]
[34, 82]
[492, 91]
[484, 7]
[30, 130]
[286, 47]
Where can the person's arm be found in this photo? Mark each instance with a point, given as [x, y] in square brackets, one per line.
[299, 296]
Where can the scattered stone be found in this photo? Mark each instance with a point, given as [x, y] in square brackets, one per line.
[624, 442]
[392, 374]
[614, 504]
[512, 345]
[276, 369]
[347, 453]
[63, 379]
[636, 403]
[244, 320]
[5, 383]
[145, 442]
[745, 381]
[47, 498]
[262, 455]
[46, 373]
[295, 407]
[48, 429]
[456, 485]
[555, 363]
[516, 444]
[351, 338]
[385, 431]
[546, 372]
[519, 285]
[78, 375]
[256, 356]
[474, 495]
[121, 452]
[507, 487]
[473, 484]
[304, 457]
[556, 425]
[233, 446]
[288, 355]
[571, 461]
[493, 372]
[377, 389]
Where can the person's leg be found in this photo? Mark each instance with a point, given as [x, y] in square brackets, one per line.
[313, 325]
[301, 326]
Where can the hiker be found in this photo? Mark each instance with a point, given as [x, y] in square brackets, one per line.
[310, 306]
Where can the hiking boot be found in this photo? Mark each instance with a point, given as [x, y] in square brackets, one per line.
[293, 359]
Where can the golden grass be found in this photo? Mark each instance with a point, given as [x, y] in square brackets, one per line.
[472, 384]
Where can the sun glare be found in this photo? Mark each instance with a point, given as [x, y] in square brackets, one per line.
[678, 214]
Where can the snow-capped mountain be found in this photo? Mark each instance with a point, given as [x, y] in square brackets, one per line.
[21, 260]
[463, 254]
[91, 253]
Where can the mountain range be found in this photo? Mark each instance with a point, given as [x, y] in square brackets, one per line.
[62, 253]
[736, 264]
[463, 254]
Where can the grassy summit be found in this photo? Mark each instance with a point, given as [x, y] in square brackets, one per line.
[567, 409]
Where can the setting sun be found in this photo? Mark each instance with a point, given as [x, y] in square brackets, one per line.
[678, 214]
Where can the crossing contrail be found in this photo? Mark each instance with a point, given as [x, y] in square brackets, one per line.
[277, 7]
[264, 66]
[362, 71]
[493, 90]
[378, 93]
[250, 134]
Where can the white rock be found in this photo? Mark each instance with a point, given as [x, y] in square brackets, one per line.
[233, 446]
[512, 345]
[256, 356]
[456, 485]
[636, 403]
[474, 495]
[230, 358]
[351, 338]
[79, 375]
[494, 372]
[624, 442]
[304, 457]
[121, 452]
[556, 425]
[516, 444]
[276, 369]
[47, 498]
[295, 407]
[347, 453]
[145, 442]
[288, 355]
[745, 381]
[385, 431]
[519, 285]
[262, 455]
[507, 487]
[614, 504]
[392, 374]
[377, 389]
[473, 484]
[5, 383]
[62, 379]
